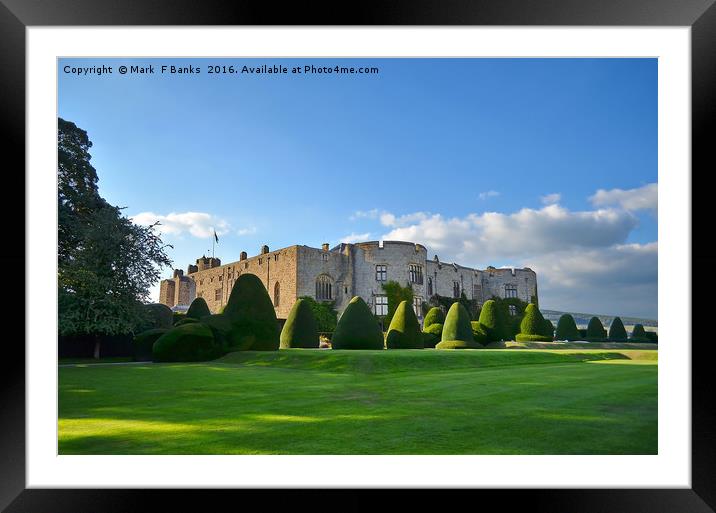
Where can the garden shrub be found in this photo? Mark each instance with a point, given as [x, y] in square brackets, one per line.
[617, 332]
[404, 330]
[525, 337]
[300, 328]
[187, 320]
[548, 329]
[252, 315]
[143, 342]
[582, 333]
[434, 316]
[638, 334]
[595, 329]
[432, 334]
[567, 328]
[533, 323]
[494, 321]
[198, 309]
[187, 343]
[221, 327]
[479, 333]
[653, 337]
[324, 313]
[357, 328]
[457, 330]
[156, 315]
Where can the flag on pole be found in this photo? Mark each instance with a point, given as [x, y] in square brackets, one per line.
[216, 237]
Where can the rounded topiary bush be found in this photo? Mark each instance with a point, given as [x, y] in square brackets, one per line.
[434, 316]
[187, 343]
[143, 342]
[404, 330]
[638, 334]
[198, 309]
[567, 328]
[432, 334]
[532, 323]
[300, 329]
[595, 329]
[156, 315]
[617, 332]
[524, 337]
[496, 326]
[479, 333]
[457, 330]
[357, 328]
[187, 320]
[221, 327]
[253, 319]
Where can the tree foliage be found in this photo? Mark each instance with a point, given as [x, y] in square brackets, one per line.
[324, 313]
[396, 294]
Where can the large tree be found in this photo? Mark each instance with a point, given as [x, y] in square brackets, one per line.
[106, 263]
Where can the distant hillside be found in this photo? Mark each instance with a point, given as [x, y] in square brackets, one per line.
[582, 319]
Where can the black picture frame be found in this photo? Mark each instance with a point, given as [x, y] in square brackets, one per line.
[700, 15]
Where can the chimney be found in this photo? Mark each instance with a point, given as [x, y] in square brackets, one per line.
[264, 249]
[243, 255]
[178, 273]
[324, 246]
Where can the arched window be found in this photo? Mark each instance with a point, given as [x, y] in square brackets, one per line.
[324, 288]
[456, 289]
[430, 286]
[276, 294]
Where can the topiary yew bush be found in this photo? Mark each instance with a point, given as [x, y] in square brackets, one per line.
[143, 342]
[252, 315]
[432, 334]
[595, 330]
[494, 321]
[156, 315]
[567, 328]
[404, 330]
[434, 316]
[617, 332]
[479, 333]
[357, 328]
[638, 334]
[300, 329]
[187, 343]
[198, 309]
[457, 330]
[533, 327]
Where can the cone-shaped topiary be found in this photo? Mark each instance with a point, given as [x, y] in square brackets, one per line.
[300, 329]
[404, 330]
[595, 329]
[143, 342]
[198, 309]
[638, 334]
[432, 334]
[357, 328]
[617, 332]
[434, 316]
[479, 333]
[253, 318]
[187, 343]
[533, 326]
[494, 322]
[567, 328]
[457, 331]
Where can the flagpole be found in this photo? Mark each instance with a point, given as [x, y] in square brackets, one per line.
[213, 241]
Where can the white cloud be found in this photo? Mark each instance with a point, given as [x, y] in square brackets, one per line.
[488, 194]
[641, 198]
[198, 224]
[246, 231]
[366, 214]
[550, 199]
[356, 237]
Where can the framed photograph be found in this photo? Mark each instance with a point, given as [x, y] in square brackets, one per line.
[435, 249]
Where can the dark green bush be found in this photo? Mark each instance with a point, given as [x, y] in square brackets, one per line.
[638, 334]
[300, 328]
[653, 337]
[524, 337]
[252, 316]
[187, 343]
[357, 328]
[221, 327]
[582, 333]
[479, 333]
[177, 316]
[432, 334]
[198, 309]
[434, 316]
[155, 315]
[187, 320]
[548, 329]
[324, 313]
[595, 329]
[617, 332]
[567, 328]
[143, 342]
[533, 323]
[495, 323]
[404, 330]
[457, 325]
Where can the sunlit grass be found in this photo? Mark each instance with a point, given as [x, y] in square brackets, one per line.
[366, 402]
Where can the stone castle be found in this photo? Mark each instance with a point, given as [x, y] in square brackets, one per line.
[340, 273]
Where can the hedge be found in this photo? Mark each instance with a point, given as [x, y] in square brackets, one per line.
[492, 318]
[653, 337]
[198, 309]
[143, 342]
[187, 320]
[458, 344]
[567, 328]
[548, 329]
[300, 329]
[457, 326]
[187, 343]
[357, 328]
[434, 316]
[432, 334]
[617, 332]
[404, 330]
[525, 337]
[479, 332]
[221, 327]
[595, 329]
[156, 315]
[252, 316]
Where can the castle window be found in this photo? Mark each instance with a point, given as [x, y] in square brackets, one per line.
[217, 295]
[416, 274]
[275, 257]
[221, 278]
[417, 305]
[201, 282]
[512, 309]
[324, 288]
[276, 294]
[381, 272]
[430, 286]
[510, 291]
[455, 289]
[260, 261]
[324, 256]
[246, 265]
[381, 305]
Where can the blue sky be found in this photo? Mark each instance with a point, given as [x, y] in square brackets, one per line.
[546, 163]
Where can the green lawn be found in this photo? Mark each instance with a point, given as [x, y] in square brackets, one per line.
[367, 402]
